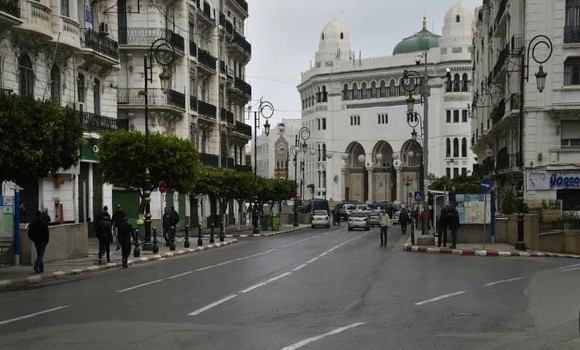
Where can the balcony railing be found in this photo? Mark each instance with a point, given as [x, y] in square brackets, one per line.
[192, 48]
[572, 34]
[243, 4]
[146, 36]
[229, 27]
[11, 7]
[6, 92]
[517, 43]
[243, 43]
[154, 97]
[100, 43]
[243, 86]
[193, 103]
[243, 128]
[207, 109]
[498, 111]
[506, 160]
[95, 122]
[229, 117]
[206, 59]
[210, 159]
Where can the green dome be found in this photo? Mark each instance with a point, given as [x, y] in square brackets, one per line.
[422, 41]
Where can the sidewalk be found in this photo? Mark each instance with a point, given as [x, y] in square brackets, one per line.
[11, 275]
[477, 249]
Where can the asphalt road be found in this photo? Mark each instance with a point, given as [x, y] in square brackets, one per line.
[314, 289]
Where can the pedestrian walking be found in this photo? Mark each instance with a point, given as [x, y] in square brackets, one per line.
[174, 222]
[167, 223]
[453, 224]
[103, 231]
[45, 216]
[39, 235]
[404, 220]
[384, 222]
[116, 220]
[125, 230]
[442, 225]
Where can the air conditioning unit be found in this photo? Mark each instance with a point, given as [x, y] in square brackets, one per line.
[104, 28]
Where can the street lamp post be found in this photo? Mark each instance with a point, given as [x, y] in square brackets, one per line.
[303, 135]
[295, 151]
[265, 110]
[540, 84]
[164, 53]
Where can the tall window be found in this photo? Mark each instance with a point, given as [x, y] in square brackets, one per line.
[570, 133]
[572, 71]
[324, 94]
[448, 172]
[464, 147]
[464, 82]
[383, 89]
[572, 27]
[456, 116]
[345, 92]
[448, 147]
[55, 84]
[448, 112]
[373, 90]
[456, 83]
[324, 151]
[455, 147]
[64, 8]
[392, 89]
[448, 84]
[81, 89]
[97, 97]
[464, 115]
[363, 90]
[26, 76]
[323, 123]
[355, 91]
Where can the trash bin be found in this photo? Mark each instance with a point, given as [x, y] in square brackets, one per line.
[276, 223]
[265, 222]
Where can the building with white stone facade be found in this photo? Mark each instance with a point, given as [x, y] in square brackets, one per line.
[275, 157]
[356, 110]
[67, 51]
[207, 89]
[535, 144]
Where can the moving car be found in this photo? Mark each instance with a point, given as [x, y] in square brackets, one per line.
[346, 210]
[358, 219]
[396, 217]
[374, 217]
[320, 218]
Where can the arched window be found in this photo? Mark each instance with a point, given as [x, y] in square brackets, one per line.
[81, 89]
[324, 94]
[322, 36]
[318, 96]
[464, 147]
[55, 84]
[97, 97]
[345, 92]
[324, 151]
[448, 84]
[355, 91]
[456, 83]
[392, 89]
[374, 93]
[342, 35]
[383, 89]
[455, 147]
[448, 147]
[363, 90]
[464, 82]
[457, 19]
[26, 76]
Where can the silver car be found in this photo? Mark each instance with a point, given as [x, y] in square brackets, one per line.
[320, 218]
[358, 219]
[374, 217]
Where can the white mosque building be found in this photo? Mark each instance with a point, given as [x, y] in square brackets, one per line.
[360, 145]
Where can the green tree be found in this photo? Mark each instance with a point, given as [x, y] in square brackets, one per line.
[37, 138]
[171, 159]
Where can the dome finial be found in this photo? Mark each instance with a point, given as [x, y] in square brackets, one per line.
[424, 22]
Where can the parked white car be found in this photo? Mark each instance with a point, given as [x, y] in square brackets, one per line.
[320, 218]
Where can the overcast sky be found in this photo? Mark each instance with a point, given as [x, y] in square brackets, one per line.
[285, 33]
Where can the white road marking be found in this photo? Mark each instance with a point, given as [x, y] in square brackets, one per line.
[318, 337]
[32, 315]
[569, 266]
[504, 281]
[439, 298]
[205, 308]
[571, 269]
[139, 286]
[253, 287]
[278, 277]
[299, 268]
[180, 275]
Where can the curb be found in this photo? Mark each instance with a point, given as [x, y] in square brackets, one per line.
[250, 235]
[484, 252]
[96, 268]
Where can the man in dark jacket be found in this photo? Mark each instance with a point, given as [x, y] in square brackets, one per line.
[442, 227]
[404, 220]
[167, 223]
[38, 233]
[174, 222]
[453, 224]
[125, 231]
[103, 231]
[116, 220]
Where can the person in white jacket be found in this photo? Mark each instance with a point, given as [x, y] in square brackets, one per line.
[384, 223]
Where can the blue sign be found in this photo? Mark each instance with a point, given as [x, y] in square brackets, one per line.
[485, 186]
[418, 196]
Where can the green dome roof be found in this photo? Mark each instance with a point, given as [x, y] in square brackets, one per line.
[422, 41]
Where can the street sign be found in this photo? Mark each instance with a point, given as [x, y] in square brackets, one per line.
[418, 196]
[485, 185]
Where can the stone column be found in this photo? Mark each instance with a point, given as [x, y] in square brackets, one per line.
[343, 173]
[398, 167]
[370, 193]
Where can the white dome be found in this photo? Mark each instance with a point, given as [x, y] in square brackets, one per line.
[458, 20]
[334, 43]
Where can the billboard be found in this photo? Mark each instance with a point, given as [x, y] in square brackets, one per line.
[470, 208]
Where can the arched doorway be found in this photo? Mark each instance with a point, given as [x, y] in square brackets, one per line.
[411, 172]
[355, 174]
[382, 179]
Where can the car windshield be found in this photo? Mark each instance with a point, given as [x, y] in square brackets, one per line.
[375, 213]
[358, 214]
[320, 212]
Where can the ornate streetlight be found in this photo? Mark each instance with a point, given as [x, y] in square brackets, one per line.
[164, 53]
[265, 110]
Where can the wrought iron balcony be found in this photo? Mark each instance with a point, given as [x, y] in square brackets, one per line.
[146, 36]
[243, 128]
[571, 34]
[100, 43]
[229, 117]
[193, 103]
[212, 160]
[192, 48]
[95, 122]
[11, 7]
[228, 26]
[206, 109]
[506, 160]
[206, 59]
[155, 97]
[243, 86]
[243, 4]
[241, 41]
